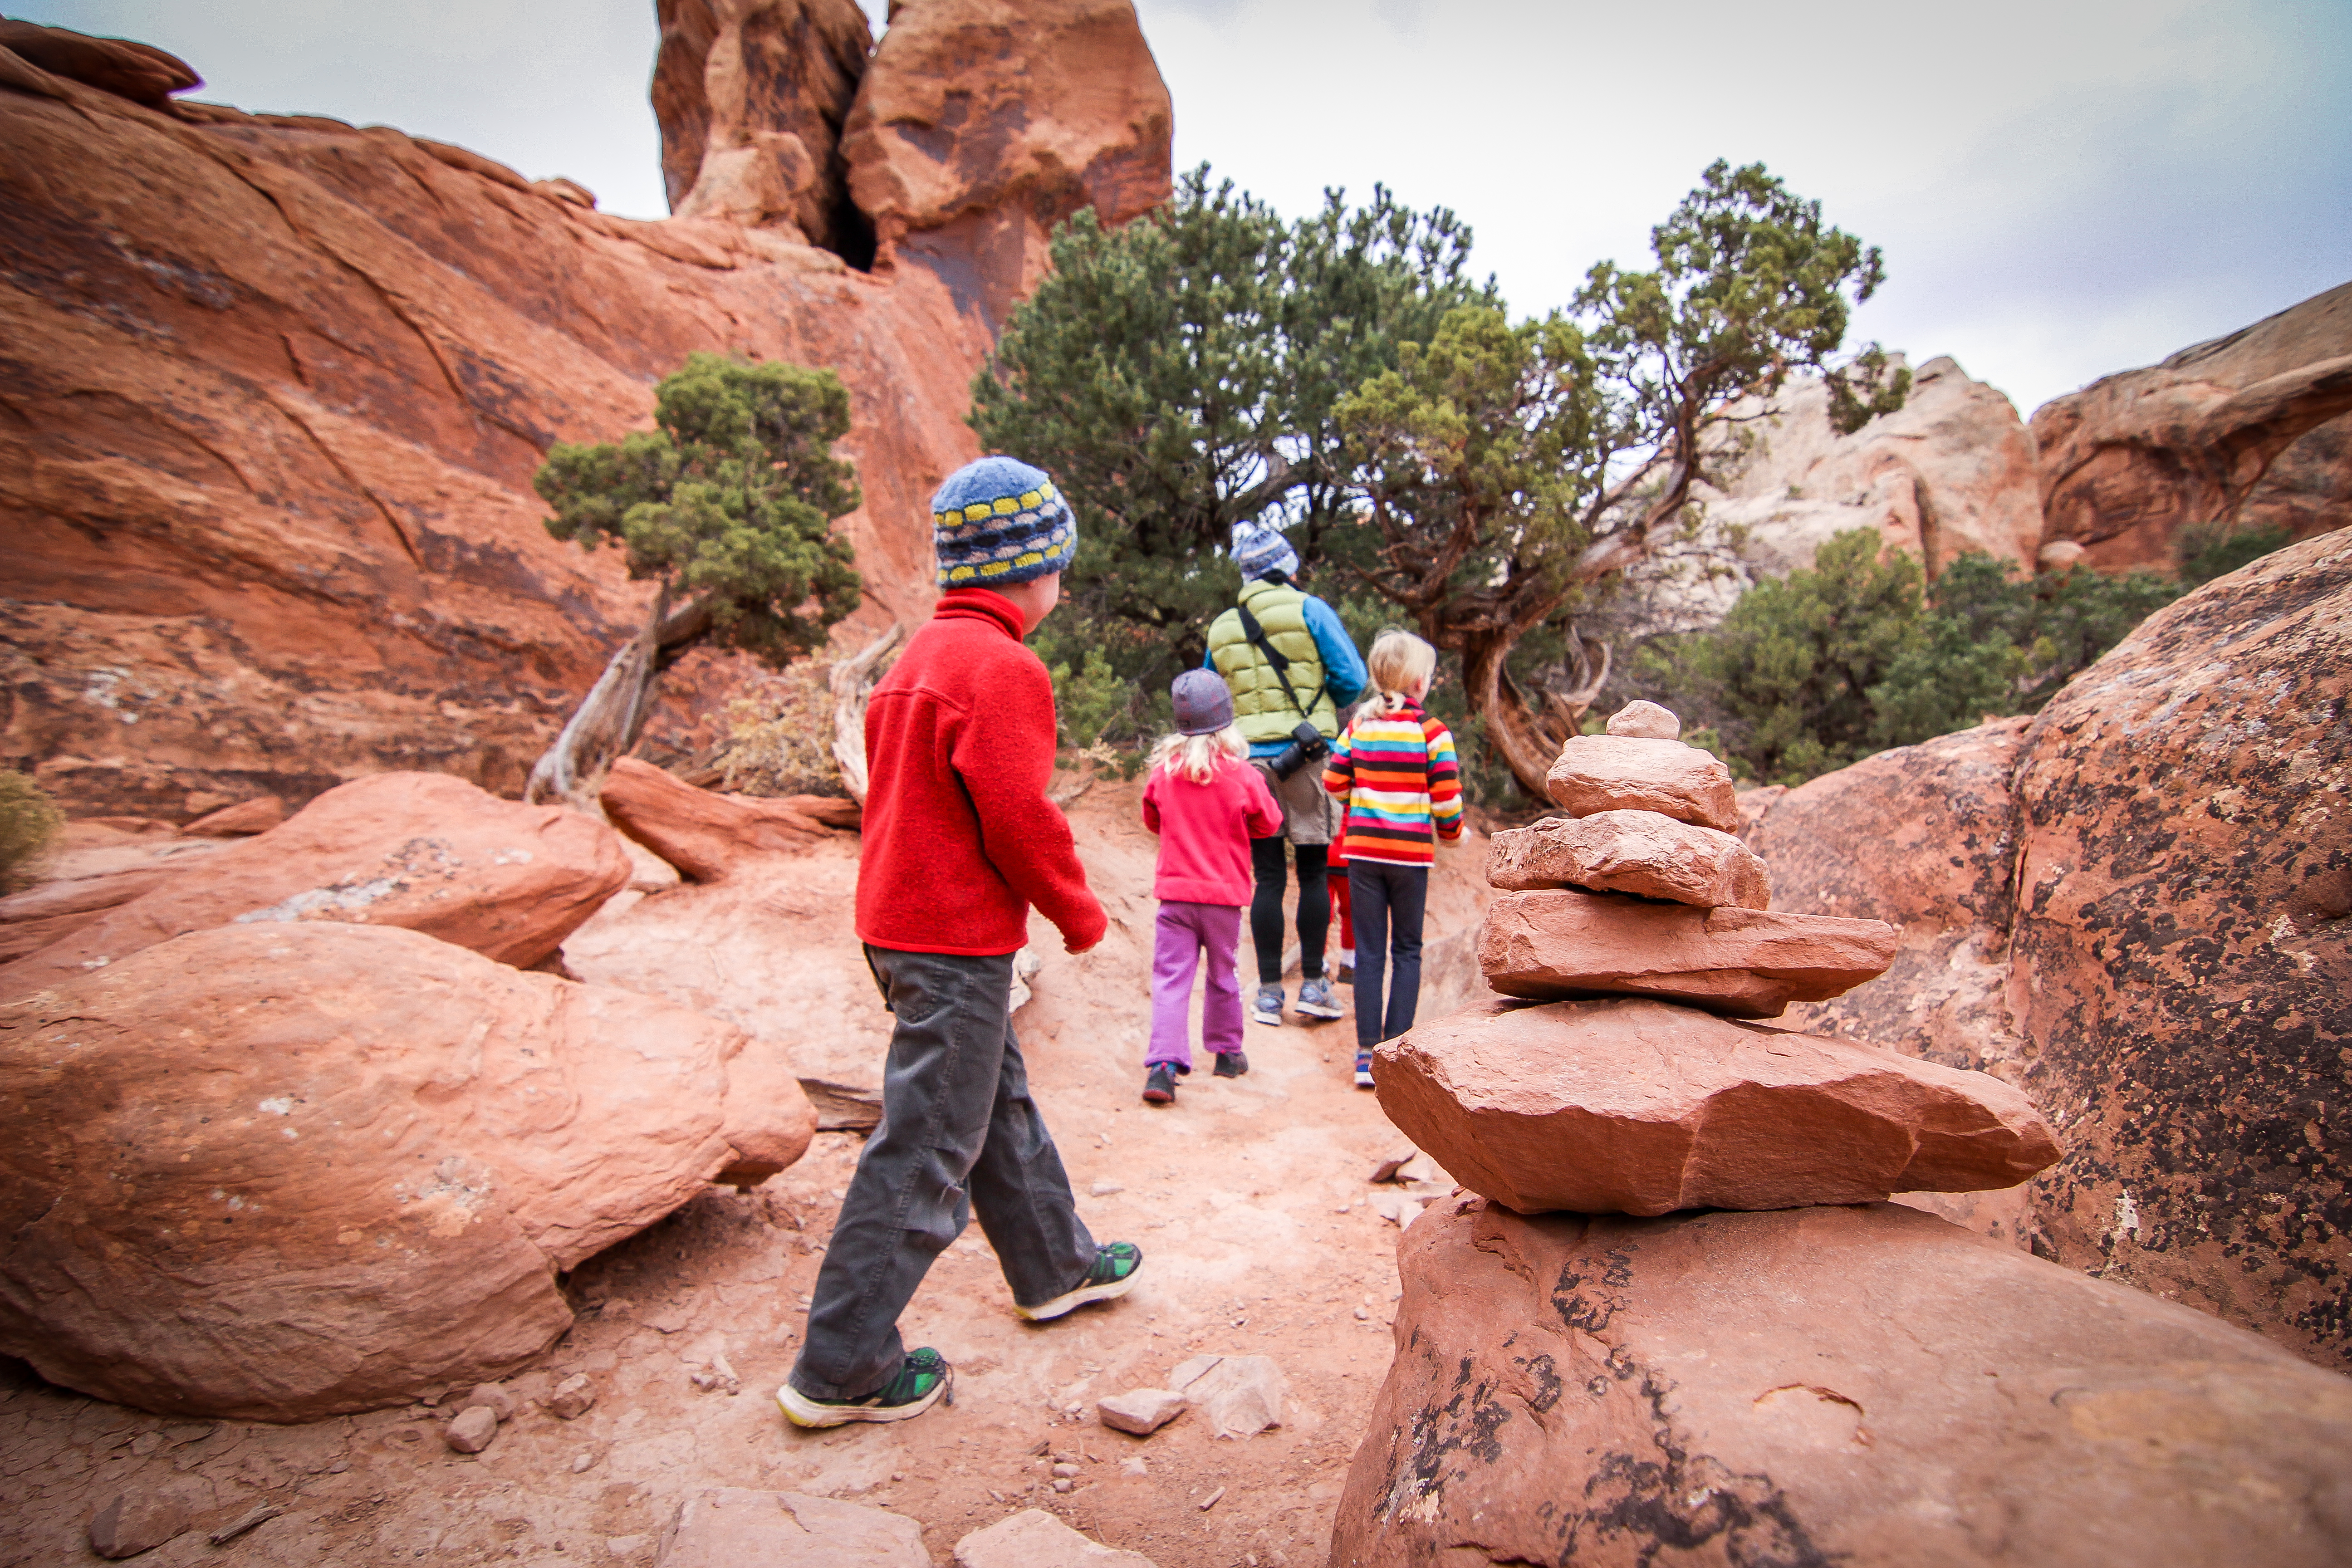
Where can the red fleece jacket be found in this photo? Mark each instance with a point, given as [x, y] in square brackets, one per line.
[959, 839]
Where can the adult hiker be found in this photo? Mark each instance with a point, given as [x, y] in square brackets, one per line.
[1291, 667]
[960, 844]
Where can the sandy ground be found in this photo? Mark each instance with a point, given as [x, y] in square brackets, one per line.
[1249, 1197]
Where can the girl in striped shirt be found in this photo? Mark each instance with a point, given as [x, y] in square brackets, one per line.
[1395, 768]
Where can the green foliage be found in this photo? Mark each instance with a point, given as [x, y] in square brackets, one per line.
[1476, 455]
[2215, 549]
[29, 819]
[1180, 374]
[731, 497]
[1792, 666]
[1750, 285]
[1086, 701]
[1817, 669]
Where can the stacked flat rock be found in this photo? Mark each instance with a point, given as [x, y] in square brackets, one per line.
[1641, 926]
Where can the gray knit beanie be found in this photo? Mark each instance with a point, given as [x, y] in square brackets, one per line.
[1258, 549]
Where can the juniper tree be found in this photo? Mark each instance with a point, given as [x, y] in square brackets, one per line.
[1180, 374]
[726, 506]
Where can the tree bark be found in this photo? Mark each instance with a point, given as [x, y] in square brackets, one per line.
[851, 682]
[1529, 740]
[612, 717]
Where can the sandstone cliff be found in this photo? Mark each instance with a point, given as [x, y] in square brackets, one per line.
[272, 389]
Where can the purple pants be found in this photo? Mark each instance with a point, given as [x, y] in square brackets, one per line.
[1183, 932]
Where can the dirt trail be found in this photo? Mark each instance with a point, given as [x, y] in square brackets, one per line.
[1250, 1198]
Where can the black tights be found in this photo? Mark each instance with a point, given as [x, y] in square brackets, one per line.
[1267, 861]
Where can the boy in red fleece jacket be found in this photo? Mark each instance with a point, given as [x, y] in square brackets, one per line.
[959, 842]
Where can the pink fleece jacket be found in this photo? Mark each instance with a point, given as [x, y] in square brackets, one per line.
[1204, 832]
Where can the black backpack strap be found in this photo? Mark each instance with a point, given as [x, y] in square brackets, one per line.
[1255, 634]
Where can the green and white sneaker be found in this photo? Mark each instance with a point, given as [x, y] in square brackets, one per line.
[922, 1382]
[1116, 1264]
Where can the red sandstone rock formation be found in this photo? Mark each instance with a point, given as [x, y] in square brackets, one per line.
[422, 851]
[302, 1169]
[1864, 1387]
[2250, 428]
[275, 387]
[750, 96]
[1633, 773]
[2141, 912]
[981, 124]
[1640, 1106]
[1954, 469]
[1749, 963]
[1923, 837]
[1639, 852]
[139, 72]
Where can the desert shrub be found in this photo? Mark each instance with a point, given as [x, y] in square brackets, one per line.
[1823, 666]
[779, 735]
[29, 821]
[2215, 549]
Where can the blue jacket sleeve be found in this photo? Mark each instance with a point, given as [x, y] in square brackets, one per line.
[1343, 666]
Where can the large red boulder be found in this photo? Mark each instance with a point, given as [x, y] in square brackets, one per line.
[2136, 909]
[1925, 838]
[1640, 1106]
[139, 72]
[1750, 963]
[425, 851]
[1868, 1386]
[274, 1172]
[2183, 951]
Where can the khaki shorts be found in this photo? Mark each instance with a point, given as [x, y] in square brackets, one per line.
[1308, 809]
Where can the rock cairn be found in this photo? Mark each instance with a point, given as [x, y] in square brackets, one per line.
[1633, 943]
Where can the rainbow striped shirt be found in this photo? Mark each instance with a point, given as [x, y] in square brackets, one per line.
[1403, 788]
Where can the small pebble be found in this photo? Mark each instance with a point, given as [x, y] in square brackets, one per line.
[1063, 1483]
[1362, 1314]
[1105, 1189]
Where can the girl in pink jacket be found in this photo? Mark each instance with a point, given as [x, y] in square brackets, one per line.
[1206, 803]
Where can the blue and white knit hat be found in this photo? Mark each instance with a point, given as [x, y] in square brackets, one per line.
[997, 520]
[1258, 549]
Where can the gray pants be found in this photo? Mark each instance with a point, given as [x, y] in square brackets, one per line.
[959, 1132]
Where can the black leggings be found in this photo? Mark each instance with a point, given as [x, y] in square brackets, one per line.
[1268, 862]
[1388, 902]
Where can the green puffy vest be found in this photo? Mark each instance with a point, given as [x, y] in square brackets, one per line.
[1260, 706]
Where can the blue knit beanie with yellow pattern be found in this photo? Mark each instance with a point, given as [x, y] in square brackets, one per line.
[998, 520]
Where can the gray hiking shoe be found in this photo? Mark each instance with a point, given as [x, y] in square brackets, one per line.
[1266, 1006]
[1315, 1000]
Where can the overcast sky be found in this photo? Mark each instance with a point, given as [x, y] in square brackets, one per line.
[2063, 188]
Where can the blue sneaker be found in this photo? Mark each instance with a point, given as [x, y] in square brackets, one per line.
[1266, 1006]
[1315, 1000]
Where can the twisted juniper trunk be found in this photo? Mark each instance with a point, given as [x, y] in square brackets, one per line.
[1529, 740]
[609, 720]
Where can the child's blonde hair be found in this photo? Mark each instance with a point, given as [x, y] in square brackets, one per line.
[1399, 662]
[1195, 756]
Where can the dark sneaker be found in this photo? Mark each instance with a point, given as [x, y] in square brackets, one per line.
[922, 1382]
[1265, 1007]
[1116, 1264]
[1160, 1085]
[1315, 1000]
[1363, 1070]
[1232, 1064]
